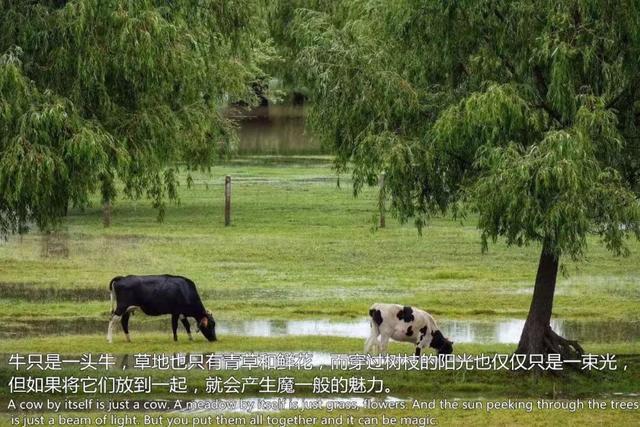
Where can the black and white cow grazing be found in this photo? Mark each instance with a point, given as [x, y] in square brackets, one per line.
[407, 324]
[157, 295]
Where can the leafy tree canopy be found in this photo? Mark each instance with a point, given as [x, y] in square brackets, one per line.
[526, 111]
[94, 90]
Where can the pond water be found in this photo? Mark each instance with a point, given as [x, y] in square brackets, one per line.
[460, 331]
[505, 331]
[275, 130]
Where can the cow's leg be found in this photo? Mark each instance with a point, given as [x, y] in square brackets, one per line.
[174, 326]
[125, 320]
[371, 342]
[185, 322]
[115, 316]
[423, 341]
[384, 343]
[125, 324]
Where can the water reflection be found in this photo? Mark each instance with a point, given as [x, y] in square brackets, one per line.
[276, 129]
[460, 331]
[274, 328]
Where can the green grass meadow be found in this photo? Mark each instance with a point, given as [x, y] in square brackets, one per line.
[300, 247]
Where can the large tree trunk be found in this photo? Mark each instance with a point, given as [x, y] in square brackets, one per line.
[537, 336]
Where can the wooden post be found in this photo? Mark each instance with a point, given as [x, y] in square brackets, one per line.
[227, 200]
[382, 199]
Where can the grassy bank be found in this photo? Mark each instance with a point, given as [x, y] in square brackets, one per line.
[154, 342]
[473, 387]
[402, 383]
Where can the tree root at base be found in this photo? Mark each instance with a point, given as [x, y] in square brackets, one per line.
[554, 344]
[567, 349]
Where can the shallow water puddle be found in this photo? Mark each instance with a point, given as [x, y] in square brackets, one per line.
[460, 331]
[505, 331]
[276, 328]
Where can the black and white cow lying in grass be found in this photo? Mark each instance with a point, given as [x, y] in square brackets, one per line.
[157, 295]
[406, 324]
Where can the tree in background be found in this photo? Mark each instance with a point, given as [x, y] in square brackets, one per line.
[93, 91]
[525, 112]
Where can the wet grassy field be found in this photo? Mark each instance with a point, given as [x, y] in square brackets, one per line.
[299, 247]
[302, 248]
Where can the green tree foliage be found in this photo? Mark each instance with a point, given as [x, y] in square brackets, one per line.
[95, 90]
[527, 112]
[280, 18]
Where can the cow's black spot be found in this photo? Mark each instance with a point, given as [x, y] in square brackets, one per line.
[423, 332]
[376, 315]
[409, 331]
[406, 314]
[437, 340]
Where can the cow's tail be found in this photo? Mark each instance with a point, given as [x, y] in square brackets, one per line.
[376, 319]
[112, 293]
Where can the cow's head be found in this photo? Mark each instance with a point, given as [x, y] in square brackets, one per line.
[440, 343]
[208, 326]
